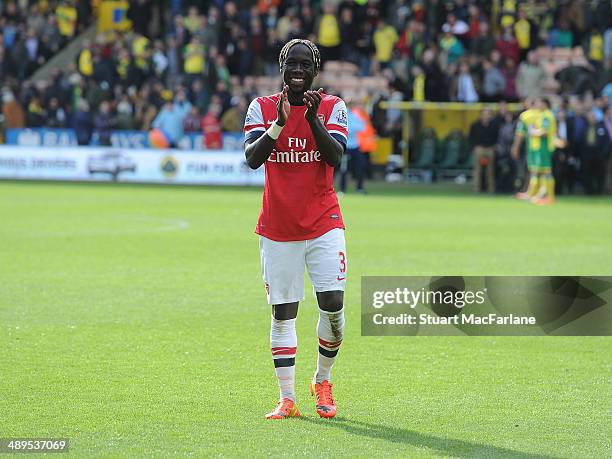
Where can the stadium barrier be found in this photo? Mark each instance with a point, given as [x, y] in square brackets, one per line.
[48, 137]
[108, 164]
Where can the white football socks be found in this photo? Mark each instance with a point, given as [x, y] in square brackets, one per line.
[283, 343]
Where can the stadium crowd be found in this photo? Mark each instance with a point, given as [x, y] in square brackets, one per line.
[191, 66]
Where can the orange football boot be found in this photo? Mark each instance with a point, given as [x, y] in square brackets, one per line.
[286, 408]
[326, 406]
[545, 202]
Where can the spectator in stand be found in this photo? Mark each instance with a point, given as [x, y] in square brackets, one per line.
[170, 121]
[182, 101]
[193, 120]
[530, 78]
[244, 58]
[451, 45]
[258, 39]
[20, 59]
[58, 87]
[211, 128]
[348, 36]
[561, 36]
[466, 90]
[55, 117]
[105, 123]
[308, 20]
[476, 19]
[214, 24]
[206, 33]
[36, 52]
[66, 15]
[144, 109]
[523, 33]
[82, 123]
[385, 38]
[284, 25]
[198, 95]
[483, 43]
[365, 47]
[193, 59]
[221, 71]
[508, 46]
[125, 111]
[11, 13]
[509, 72]
[159, 60]
[328, 33]
[272, 43]
[410, 43]
[493, 82]
[418, 84]
[180, 32]
[457, 27]
[230, 24]
[35, 117]
[222, 95]
[598, 108]
[174, 57]
[51, 36]
[85, 60]
[192, 21]
[483, 138]
[435, 85]
[459, 9]
[593, 45]
[12, 111]
[496, 59]
[141, 52]
[233, 119]
[9, 29]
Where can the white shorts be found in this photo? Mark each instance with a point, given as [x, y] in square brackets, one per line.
[282, 266]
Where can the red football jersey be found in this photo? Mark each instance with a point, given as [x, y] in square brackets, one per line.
[299, 201]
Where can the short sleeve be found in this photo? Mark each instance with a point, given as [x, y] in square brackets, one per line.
[521, 128]
[338, 120]
[254, 123]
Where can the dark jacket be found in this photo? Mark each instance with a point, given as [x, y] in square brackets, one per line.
[483, 136]
[600, 147]
[83, 127]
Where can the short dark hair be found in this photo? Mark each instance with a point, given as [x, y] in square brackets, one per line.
[316, 55]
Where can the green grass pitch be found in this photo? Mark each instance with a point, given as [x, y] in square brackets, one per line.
[133, 321]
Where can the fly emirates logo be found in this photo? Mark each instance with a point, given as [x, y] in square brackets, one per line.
[297, 153]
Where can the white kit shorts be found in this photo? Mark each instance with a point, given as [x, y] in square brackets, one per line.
[282, 266]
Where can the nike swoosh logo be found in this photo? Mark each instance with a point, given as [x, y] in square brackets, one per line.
[340, 278]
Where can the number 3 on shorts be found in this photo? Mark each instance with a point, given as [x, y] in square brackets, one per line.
[342, 275]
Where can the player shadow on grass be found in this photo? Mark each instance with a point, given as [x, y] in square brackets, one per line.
[450, 446]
